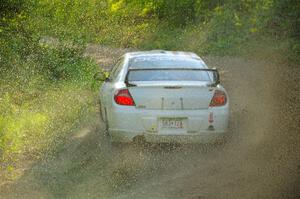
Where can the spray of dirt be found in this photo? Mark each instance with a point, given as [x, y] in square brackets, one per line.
[260, 159]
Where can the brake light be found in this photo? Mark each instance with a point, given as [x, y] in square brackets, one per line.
[219, 98]
[123, 97]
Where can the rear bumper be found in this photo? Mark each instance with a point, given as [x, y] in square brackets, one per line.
[206, 137]
[125, 123]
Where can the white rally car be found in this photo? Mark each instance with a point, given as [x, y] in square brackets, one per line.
[163, 96]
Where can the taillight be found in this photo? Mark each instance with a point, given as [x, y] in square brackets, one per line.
[219, 98]
[123, 97]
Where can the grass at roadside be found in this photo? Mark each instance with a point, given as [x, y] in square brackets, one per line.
[46, 89]
[42, 120]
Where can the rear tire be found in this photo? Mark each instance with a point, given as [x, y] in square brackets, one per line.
[102, 111]
[106, 129]
[103, 116]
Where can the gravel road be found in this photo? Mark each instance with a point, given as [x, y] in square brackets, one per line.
[261, 158]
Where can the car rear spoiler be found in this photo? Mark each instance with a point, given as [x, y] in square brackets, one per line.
[215, 72]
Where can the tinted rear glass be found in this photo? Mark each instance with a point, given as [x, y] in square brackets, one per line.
[168, 75]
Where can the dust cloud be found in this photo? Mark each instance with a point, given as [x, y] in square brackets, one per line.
[259, 160]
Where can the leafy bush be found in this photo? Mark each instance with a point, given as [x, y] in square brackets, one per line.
[9, 8]
[65, 63]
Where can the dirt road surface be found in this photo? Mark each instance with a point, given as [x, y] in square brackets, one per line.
[261, 158]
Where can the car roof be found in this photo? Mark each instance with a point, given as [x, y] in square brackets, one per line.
[182, 54]
[180, 58]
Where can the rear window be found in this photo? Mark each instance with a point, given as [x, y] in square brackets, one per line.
[168, 75]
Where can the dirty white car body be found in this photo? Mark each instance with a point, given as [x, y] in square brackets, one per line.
[164, 96]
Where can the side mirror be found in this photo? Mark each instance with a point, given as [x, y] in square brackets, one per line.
[102, 76]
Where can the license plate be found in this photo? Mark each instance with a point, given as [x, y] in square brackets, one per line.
[172, 123]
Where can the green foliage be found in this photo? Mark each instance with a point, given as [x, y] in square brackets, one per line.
[63, 62]
[176, 12]
[223, 26]
[285, 18]
[9, 8]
